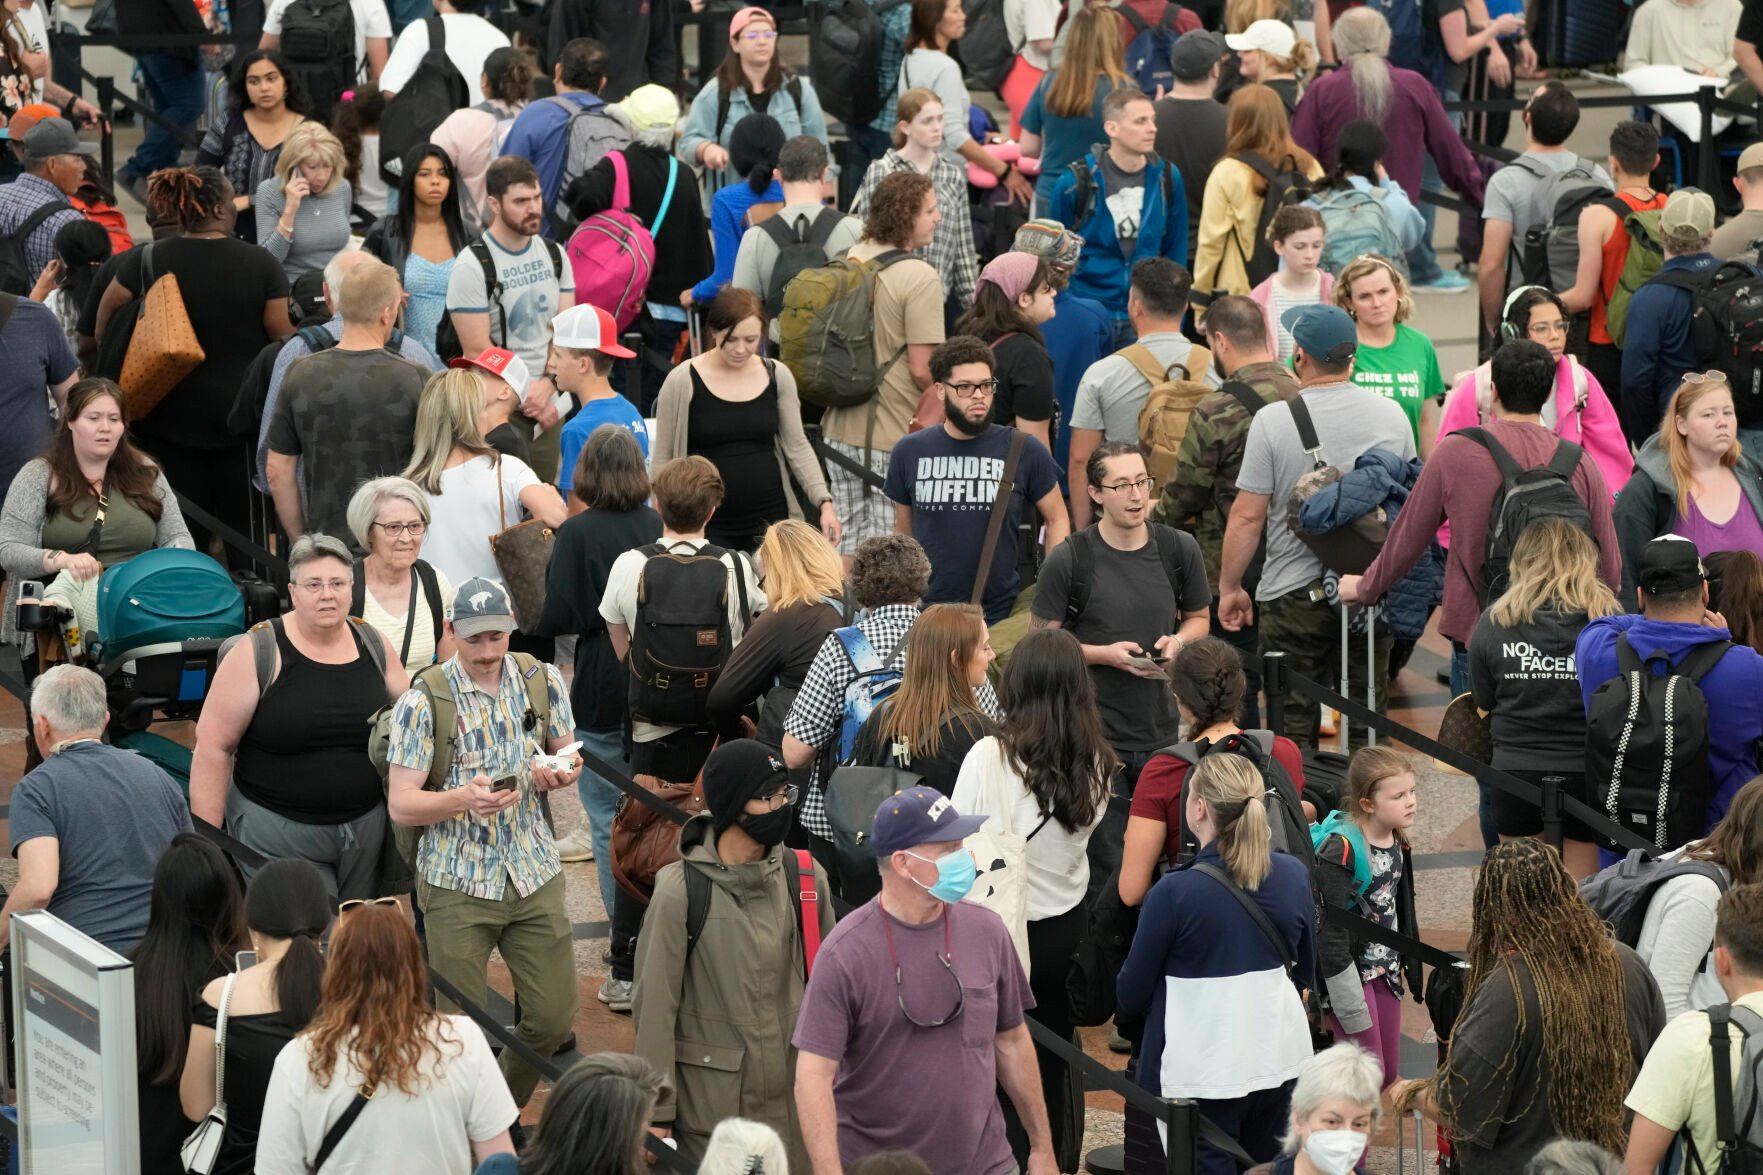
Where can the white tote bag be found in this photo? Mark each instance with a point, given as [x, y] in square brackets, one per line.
[1001, 856]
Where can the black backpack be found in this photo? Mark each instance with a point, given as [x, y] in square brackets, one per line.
[1526, 496]
[1083, 193]
[245, 418]
[1285, 811]
[681, 638]
[800, 246]
[986, 55]
[433, 92]
[1726, 327]
[1646, 749]
[845, 64]
[16, 275]
[1738, 1141]
[318, 42]
[1549, 252]
[1083, 566]
[447, 347]
[1286, 184]
[1621, 893]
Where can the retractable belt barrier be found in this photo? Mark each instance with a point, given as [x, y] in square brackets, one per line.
[856, 469]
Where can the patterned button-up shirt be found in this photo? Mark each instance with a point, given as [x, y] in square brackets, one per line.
[895, 23]
[478, 855]
[951, 251]
[820, 704]
[23, 196]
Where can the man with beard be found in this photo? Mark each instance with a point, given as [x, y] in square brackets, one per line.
[532, 286]
[943, 482]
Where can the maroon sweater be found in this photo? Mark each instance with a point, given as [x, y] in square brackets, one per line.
[1458, 485]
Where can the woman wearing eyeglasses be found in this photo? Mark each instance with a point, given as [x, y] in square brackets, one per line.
[732, 993]
[751, 80]
[395, 591]
[284, 767]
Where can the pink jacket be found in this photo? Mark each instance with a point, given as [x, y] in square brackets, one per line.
[1582, 414]
[1262, 296]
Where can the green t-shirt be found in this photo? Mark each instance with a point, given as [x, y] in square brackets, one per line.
[1407, 371]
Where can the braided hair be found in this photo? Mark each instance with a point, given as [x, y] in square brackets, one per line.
[1207, 677]
[192, 196]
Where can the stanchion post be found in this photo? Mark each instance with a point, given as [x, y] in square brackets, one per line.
[107, 143]
[1707, 153]
[1273, 681]
[1178, 1151]
[1552, 811]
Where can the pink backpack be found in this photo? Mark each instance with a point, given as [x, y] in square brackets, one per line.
[612, 253]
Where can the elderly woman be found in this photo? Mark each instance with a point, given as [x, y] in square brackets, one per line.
[1334, 1110]
[395, 591]
[303, 209]
[281, 747]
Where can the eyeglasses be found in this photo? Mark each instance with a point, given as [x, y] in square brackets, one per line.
[973, 391]
[400, 529]
[1144, 485]
[782, 797]
[357, 903]
[1548, 328]
[760, 35]
[943, 957]
[313, 587]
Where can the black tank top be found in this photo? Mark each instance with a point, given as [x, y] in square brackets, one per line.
[304, 756]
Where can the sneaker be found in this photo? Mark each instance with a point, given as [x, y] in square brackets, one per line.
[576, 846]
[1118, 1043]
[1448, 282]
[616, 994]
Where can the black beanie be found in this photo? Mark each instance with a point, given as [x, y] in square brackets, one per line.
[736, 772]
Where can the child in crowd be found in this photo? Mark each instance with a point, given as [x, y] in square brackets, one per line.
[1297, 236]
[1363, 864]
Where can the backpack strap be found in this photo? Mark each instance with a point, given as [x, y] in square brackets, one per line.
[667, 196]
[858, 650]
[1566, 459]
[437, 35]
[1145, 363]
[23, 232]
[1255, 912]
[1689, 281]
[369, 639]
[697, 907]
[799, 865]
[358, 591]
[492, 284]
[264, 654]
[1508, 468]
[1083, 571]
[1083, 192]
[621, 182]
[723, 98]
[1135, 19]
[1705, 658]
[431, 592]
[826, 223]
[1720, 1041]
[1171, 14]
[444, 715]
[1244, 393]
[538, 689]
[782, 235]
[740, 561]
[1169, 553]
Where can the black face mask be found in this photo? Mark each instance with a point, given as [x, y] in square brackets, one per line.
[770, 828]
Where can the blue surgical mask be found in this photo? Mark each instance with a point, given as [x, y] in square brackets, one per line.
[955, 874]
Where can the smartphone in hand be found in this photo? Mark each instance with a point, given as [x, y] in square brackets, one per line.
[506, 783]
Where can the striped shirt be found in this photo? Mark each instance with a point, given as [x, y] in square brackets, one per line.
[477, 855]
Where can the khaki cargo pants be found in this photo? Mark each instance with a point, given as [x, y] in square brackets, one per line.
[1307, 629]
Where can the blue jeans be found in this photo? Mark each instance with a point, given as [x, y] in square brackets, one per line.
[172, 84]
[599, 800]
[1423, 261]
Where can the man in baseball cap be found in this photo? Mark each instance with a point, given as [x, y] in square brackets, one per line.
[1081, 330]
[1735, 236]
[505, 376]
[1658, 347]
[55, 166]
[932, 987]
[584, 345]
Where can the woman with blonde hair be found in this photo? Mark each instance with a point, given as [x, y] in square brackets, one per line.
[303, 209]
[1692, 478]
[439, 1102]
[804, 582]
[1229, 259]
[1521, 671]
[933, 721]
[1199, 954]
[1393, 358]
[1272, 55]
[473, 491]
[1063, 118]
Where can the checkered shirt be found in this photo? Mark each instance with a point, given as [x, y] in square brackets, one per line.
[951, 251]
[23, 196]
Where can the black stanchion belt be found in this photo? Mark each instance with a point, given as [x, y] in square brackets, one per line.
[860, 471]
[232, 538]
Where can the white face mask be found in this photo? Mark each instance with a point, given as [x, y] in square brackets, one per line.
[1335, 1151]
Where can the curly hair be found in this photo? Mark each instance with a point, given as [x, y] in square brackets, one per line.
[889, 569]
[1207, 678]
[190, 196]
[1363, 266]
[893, 206]
[373, 1007]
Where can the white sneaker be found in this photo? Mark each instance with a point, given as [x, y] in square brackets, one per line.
[616, 994]
[577, 846]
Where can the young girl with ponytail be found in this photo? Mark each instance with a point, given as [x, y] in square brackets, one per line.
[1233, 930]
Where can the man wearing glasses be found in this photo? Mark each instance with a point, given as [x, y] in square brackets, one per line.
[721, 960]
[944, 480]
[914, 1015]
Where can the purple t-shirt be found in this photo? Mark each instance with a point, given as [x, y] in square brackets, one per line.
[1741, 532]
[933, 1091]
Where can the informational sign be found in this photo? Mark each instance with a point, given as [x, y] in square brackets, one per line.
[73, 1008]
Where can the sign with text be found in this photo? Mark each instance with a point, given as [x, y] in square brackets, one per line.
[73, 1008]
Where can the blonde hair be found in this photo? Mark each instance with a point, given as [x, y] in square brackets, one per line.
[1092, 52]
[449, 414]
[370, 287]
[1233, 788]
[1554, 565]
[310, 140]
[1363, 265]
[1677, 450]
[909, 107]
[801, 567]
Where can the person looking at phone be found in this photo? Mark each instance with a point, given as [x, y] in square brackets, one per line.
[487, 871]
[1133, 592]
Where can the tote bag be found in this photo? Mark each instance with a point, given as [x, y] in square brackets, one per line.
[163, 348]
[1000, 854]
[523, 554]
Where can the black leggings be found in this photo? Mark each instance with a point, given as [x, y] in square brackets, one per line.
[1051, 943]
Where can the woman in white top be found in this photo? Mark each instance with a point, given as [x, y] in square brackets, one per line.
[473, 492]
[1046, 772]
[395, 591]
[440, 1104]
[936, 26]
[1677, 935]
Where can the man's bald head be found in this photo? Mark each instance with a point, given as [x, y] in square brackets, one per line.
[334, 272]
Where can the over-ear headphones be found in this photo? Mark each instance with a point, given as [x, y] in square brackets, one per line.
[1509, 330]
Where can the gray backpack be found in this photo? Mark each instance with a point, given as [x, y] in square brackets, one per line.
[1738, 1131]
[593, 132]
[1549, 253]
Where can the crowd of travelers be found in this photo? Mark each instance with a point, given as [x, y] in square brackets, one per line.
[907, 505]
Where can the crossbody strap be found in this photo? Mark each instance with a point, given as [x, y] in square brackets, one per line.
[1262, 921]
[667, 196]
[807, 905]
[995, 523]
[341, 1126]
[410, 617]
[226, 999]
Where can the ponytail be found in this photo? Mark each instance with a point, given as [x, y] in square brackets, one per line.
[1233, 788]
[299, 978]
[287, 900]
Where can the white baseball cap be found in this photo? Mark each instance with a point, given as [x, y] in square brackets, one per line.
[1273, 37]
[502, 363]
[588, 328]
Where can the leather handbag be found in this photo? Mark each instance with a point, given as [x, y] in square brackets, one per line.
[644, 841]
[163, 349]
[201, 1150]
[523, 556]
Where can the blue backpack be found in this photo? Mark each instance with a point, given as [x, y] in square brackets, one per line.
[1356, 223]
[1149, 53]
[1338, 823]
[874, 684]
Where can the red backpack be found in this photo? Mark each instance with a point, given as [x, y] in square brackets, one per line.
[110, 216]
[613, 252]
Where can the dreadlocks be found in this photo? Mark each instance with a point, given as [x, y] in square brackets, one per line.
[192, 196]
[1526, 907]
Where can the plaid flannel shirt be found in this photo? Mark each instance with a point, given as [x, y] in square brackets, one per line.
[951, 251]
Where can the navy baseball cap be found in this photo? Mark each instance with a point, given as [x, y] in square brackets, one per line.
[1324, 332]
[919, 816]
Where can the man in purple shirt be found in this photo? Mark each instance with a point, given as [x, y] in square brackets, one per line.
[914, 1014]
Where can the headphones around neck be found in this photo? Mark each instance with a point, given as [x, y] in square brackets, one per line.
[1511, 332]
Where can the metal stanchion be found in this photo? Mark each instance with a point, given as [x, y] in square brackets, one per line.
[1552, 821]
[1183, 1133]
[1708, 152]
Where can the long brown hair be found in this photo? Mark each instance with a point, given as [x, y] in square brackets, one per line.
[731, 77]
[130, 473]
[921, 32]
[1258, 124]
[1092, 51]
[1737, 841]
[1737, 581]
[373, 1006]
[1052, 731]
[933, 686]
[1677, 450]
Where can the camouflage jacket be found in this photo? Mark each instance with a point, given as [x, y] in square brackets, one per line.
[1198, 496]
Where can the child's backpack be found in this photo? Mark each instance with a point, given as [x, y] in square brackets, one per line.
[681, 638]
[826, 333]
[1646, 750]
[1338, 823]
[1621, 893]
[1163, 419]
[846, 63]
[592, 133]
[1549, 253]
[1644, 257]
[1526, 496]
[612, 253]
[875, 683]
[421, 104]
[1150, 53]
[318, 42]
[1355, 224]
